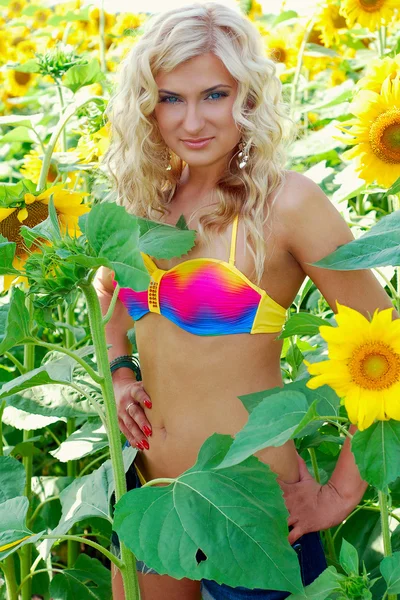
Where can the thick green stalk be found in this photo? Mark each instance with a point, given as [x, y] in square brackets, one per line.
[129, 576]
[102, 42]
[69, 112]
[73, 546]
[27, 461]
[8, 568]
[327, 533]
[387, 545]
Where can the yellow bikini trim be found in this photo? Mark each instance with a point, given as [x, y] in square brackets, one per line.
[270, 316]
[140, 475]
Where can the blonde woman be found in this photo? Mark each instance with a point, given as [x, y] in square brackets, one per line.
[199, 129]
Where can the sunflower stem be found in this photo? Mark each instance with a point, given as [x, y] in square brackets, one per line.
[69, 112]
[296, 77]
[8, 568]
[102, 43]
[73, 546]
[327, 533]
[129, 575]
[387, 545]
[27, 461]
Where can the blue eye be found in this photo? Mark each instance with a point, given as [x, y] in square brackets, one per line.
[219, 94]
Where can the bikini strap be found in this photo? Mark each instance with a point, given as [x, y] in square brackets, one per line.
[233, 240]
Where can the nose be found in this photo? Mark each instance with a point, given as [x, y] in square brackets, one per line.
[194, 120]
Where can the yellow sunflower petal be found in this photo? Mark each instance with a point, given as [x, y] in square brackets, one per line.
[5, 212]
[352, 404]
[349, 318]
[392, 402]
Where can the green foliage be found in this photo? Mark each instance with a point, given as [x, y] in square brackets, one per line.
[87, 580]
[376, 452]
[83, 442]
[80, 75]
[376, 248]
[390, 569]
[185, 527]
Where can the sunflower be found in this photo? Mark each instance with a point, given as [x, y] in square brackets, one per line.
[32, 211]
[280, 47]
[368, 13]
[126, 21]
[18, 83]
[363, 366]
[375, 133]
[330, 23]
[377, 71]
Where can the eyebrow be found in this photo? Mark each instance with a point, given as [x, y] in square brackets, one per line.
[203, 92]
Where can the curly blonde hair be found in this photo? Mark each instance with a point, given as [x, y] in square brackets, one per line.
[136, 155]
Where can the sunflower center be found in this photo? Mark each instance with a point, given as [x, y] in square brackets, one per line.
[278, 54]
[371, 5]
[10, 227]
[22, 78]
[338, 21]
[374, 366]
[384, 136]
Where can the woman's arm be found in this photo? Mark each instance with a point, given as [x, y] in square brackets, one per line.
[312, 228]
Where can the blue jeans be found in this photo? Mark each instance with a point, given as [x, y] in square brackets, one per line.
[308, 547]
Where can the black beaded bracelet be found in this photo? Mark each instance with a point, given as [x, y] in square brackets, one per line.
[129, 361]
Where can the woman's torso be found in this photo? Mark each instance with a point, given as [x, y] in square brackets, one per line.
[194, 381]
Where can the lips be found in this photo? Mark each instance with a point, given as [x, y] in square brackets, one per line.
[194, 141]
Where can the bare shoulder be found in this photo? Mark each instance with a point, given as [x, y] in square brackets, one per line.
[299, 195]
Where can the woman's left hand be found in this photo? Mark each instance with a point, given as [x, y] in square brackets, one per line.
[312, 506]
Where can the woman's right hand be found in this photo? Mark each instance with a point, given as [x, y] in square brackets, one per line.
[131, 397]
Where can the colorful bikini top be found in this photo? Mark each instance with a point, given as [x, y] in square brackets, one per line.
[206, 296]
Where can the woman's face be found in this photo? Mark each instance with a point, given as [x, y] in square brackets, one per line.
[188, 109]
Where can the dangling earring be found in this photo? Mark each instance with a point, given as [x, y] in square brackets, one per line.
[243, 155]
[167, 157]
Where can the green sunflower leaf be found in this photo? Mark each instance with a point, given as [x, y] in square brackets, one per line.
[376, 450]
[379, 247]
[184, 528]
[14, 321]
[7, 253]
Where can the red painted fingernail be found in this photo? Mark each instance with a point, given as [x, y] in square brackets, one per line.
[147, 430]
[147, 403]
[145, 444]
[139, 445]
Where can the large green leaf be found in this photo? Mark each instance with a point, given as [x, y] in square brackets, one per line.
[13, 530]
[376, 450]
[379, 247]
[87, 496]
[52, 401]
[390, 569]
[66, 586]
[80, 75]
[7, 252]
[302, 323]
[16, 321]
[86, 570]
[53, 372]
[12, 478]
[113, 234]
[164, 241]
[272, 423]
[328, 401]
[87, 440]
[184, 528]
[320, 589]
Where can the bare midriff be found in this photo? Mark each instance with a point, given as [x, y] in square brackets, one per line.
[194, 383]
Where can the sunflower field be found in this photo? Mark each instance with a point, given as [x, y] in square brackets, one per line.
[62, 456]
